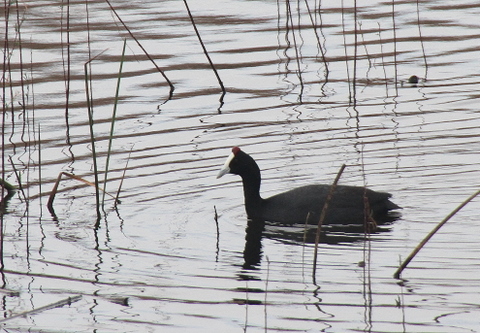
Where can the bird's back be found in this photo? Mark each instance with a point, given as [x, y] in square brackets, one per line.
[347, 205]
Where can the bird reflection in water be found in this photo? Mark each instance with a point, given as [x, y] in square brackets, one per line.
[252, 253]
[300, 235]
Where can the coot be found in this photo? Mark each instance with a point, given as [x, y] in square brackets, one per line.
[347, 205]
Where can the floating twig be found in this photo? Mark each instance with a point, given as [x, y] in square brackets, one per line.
[58, 304]
[430, 235]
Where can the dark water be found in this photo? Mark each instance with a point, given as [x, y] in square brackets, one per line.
[306, 91]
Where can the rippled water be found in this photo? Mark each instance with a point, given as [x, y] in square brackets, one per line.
[306, 91]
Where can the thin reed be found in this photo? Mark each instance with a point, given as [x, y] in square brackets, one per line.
[417, 249]
[89, 95]
[322, 218]
[113, 119]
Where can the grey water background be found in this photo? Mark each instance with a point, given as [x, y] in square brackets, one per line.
[309, 86]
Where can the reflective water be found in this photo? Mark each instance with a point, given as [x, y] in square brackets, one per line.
[306, 91]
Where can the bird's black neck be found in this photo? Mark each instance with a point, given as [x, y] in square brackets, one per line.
[251, 190]
[253, 201]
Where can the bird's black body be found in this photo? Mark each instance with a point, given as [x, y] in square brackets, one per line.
[349, 204]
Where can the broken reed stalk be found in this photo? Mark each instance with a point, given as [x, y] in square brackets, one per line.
[430, 235]
[114, 117]
[71, 176]
[172, 88]
[322, 216]
[206, 54]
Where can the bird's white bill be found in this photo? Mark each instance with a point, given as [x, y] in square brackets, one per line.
[226, 167]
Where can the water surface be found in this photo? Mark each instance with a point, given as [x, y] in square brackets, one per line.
[307, 89]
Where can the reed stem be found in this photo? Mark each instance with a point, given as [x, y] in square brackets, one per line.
[114, 117]
[206, 54]
[92, 136]
[405, 263]
[172, 88]
[322, 217]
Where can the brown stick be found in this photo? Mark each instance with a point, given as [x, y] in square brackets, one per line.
[322, 216]
[172, 88]
[206, 54]
[72, 176]
[430, 235]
